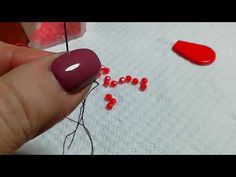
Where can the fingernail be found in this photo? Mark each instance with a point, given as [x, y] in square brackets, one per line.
[77, 69]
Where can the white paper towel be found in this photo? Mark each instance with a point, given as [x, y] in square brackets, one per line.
[187, 109]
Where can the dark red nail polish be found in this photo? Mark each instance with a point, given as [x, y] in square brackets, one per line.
[77, 69]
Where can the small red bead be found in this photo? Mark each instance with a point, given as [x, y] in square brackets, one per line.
[128, 78]
[109, 106]
[107, 78]
[113, 83]
[113, 101]
[143, 87]
[102, 67]
[122, 80]
[135, 81]
[105, 83]
[108, 97]
[144, 80]
[106, 70]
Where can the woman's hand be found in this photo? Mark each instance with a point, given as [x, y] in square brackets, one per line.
[32, 99]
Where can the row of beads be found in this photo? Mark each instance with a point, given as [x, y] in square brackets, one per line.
[134, 81]
[113, 83]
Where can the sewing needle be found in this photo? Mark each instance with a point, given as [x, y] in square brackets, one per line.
[66, 39]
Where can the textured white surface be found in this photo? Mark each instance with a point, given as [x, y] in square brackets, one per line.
[187, 109]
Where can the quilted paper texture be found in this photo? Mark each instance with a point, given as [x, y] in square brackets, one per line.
[187, 109]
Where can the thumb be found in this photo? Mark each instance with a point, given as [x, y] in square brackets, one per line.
[38, 94]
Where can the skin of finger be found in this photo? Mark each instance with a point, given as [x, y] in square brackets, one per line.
[12, 56]
[33, 101]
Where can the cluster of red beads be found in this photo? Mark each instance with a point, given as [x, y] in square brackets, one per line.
[104, 70]
[143, 84]
[113, 83]
[111, 101]
[134, 81]
[50, 33]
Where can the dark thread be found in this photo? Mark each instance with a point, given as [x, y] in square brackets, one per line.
[89, 135]
[86, 131]
[65, 31]
[71, 120]
[77, 126]
[73, 132]
[79, 122]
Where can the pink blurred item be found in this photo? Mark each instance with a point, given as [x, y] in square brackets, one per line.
[46, 34]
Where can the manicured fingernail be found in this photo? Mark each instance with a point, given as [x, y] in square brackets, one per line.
[77, 69]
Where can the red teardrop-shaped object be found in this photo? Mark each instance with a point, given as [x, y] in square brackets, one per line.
[195, 53]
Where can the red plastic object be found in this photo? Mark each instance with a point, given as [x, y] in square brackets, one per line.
[195, 53]
[13, 33]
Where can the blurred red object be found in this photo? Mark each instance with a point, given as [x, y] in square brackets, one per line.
[46, 34]
[13, 33]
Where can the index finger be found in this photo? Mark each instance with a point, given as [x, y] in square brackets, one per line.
[12, 56]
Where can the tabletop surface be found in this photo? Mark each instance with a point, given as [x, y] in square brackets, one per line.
[187, 109]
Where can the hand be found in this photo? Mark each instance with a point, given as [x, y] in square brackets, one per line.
[33, 96]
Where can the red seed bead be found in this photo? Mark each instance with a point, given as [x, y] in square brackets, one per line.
[144, 80]
[106, 70]
[128, 78]
[109, 106]
[102, 67]
[113, 83]
[108, 97]
[122, 80]
[135, 81]
[113, 101]
[107, 78]
[143, 87]
[105, 83]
